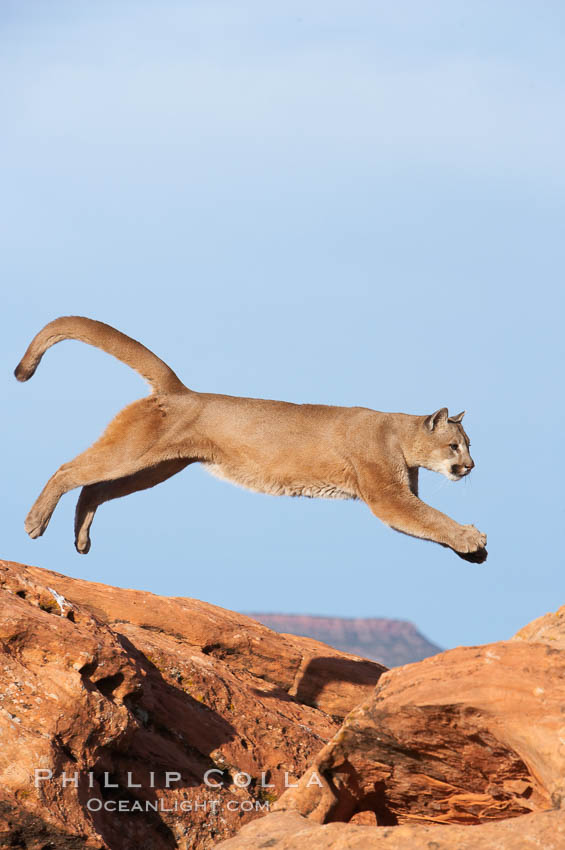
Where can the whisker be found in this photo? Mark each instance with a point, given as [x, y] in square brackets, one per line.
[443, 483]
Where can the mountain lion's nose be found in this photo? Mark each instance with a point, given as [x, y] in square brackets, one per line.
[470, 465]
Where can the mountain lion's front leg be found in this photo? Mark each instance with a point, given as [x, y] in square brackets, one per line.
[405, 512]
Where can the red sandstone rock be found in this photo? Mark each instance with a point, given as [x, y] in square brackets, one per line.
[445, 754]
[464, 750]
[319, 675]
[105, 681]
[291, 831]
[452, 749]
[468, 736]
[549, 629]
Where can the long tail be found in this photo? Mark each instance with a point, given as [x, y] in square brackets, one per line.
[128, 350]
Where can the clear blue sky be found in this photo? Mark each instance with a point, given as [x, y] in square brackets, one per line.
[353, 203]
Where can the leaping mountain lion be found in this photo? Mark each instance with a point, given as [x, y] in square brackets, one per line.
[269, 446]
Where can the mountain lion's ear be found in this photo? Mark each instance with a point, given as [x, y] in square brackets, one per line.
[431, 422]
[457, 419]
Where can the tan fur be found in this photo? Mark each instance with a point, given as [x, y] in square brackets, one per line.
[269, 446]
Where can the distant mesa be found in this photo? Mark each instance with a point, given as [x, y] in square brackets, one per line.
[390, 642]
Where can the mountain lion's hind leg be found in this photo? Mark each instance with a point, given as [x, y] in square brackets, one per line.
[123, 449]
[94, 495]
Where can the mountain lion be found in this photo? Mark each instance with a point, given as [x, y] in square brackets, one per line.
[268, 446]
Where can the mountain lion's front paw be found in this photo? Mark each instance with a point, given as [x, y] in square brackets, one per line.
[471, 544]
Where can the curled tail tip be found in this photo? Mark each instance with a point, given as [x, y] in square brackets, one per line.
[23, 373]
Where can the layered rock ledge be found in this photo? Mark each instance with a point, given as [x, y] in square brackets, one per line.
[132, 700]
[111, 690]
[463, 750]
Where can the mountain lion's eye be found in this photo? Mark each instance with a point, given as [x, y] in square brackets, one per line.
[454, 446]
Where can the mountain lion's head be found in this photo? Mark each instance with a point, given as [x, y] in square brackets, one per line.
[447, 445]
